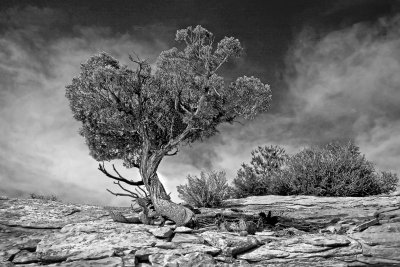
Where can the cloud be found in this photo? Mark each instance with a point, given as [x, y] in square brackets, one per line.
[40, 149]
[345, 84]
[342, 85]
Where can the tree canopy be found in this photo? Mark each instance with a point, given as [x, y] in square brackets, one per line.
[133, 114]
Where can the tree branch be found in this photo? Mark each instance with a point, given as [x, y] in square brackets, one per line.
[120, 194]
[126, 190]
[120, 178]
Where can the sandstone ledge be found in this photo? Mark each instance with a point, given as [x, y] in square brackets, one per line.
[312, 231]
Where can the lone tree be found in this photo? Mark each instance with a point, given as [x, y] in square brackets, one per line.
[142, 115]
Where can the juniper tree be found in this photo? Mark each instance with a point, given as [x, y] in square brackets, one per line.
[142, 115]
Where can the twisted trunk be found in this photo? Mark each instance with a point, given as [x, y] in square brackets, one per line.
[159, 197]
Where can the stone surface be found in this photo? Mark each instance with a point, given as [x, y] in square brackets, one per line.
[187, 238]
[263, 253]
[230, 244]
[24, 256]
[93, 240]
[191, 259]
[183, 229]
[37, 213]
[109, 262]
[327, 241]
[312, 231]
[183, 249]
[162, 232]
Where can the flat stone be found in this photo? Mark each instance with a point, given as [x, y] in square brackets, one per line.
[365, 225]
[263, 253]
[26, 257]
[393, 227]
[37, 213]
[327, 241]
[161, 232]
[183, 249]
[191, 259]
[166, 245]
[93, 240]
[375, 238]
[187, 238]
[372, 261]
[304, 248]
[183, 229]
[186, 247]
[382, 252]
[109, 262]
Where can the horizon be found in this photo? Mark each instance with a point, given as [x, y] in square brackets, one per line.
[332, 67]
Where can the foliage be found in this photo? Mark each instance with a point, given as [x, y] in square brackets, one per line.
[257, 178]
[180, 101]
[44, 197]
[335, 169]
[209, 190]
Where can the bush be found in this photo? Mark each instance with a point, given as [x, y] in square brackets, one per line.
[336, 169]
[257, 178]
[43, 197]
[209, 190]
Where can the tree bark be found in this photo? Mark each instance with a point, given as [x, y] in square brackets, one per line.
[159, 197]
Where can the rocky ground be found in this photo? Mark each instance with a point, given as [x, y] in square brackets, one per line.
[312, 231]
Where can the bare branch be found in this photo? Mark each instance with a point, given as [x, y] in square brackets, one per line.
[138, 61]
[136, 209]
[120, 178]
[220, 64]
[126, 190]
[120, 194]
[144, 191]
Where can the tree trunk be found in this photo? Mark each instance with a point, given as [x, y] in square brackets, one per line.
[159, 197]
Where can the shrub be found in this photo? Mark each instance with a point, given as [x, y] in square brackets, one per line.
[209, 190]
[336, 169]
[257, 178]
[43, 197]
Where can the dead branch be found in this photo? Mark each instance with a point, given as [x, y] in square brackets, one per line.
[126, 190]
[119, 178]
[120, 194]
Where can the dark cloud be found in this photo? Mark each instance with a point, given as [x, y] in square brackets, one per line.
[41, 148]
[342, 85]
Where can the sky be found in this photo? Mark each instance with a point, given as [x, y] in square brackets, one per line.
[333, 68]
